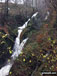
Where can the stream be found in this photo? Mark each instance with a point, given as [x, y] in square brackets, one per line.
[17, 49]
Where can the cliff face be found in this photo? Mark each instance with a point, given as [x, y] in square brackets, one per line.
[39, 54]
[42, 40]
[40, 43]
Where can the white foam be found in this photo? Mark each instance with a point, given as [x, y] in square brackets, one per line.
[5, 70]
[34, 15]
[47, 15]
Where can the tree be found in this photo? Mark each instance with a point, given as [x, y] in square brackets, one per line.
[6, 9]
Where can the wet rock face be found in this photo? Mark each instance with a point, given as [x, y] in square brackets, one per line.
[38, 21]
[7, 42]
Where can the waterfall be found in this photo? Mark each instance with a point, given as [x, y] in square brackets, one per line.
[17, 49]
[46, 17]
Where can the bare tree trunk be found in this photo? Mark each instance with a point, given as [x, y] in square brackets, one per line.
[32, 6]
[6, 10]
[36, 4]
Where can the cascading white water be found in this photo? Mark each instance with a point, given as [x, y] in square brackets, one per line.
[4, 71]
[46, 17]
